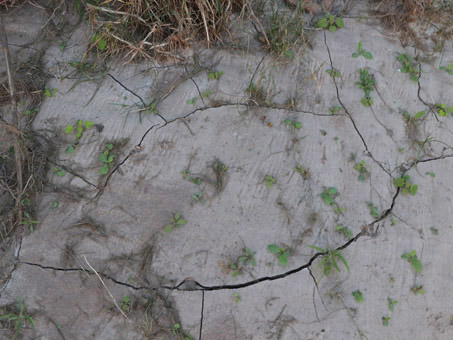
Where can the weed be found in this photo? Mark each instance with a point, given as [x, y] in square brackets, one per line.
[20, 319]
[435, 231]
[361, 52]
[409, 66]
[199, 196]
[247, 258]
[385, 320]
[62, 45]
[413, 260]
[126, 304]
[107, 158]
[58, 171]
[99, 41]
[205, 94]
[215, 75]
[192, 101]
[373, 209]
[80, 127]
[329, 195]
[281, 253]
[50, 92]
[29, 112]
[358, 296]
[334, 109]
[270, 180]
[175, 222]
[393, 221]
[187, 175]
[333, 73]
[55, 205]
[151, 109]
[28, 221]
[304, 172]
[257, 94]
[432, 174]
[443, 111]
[293, 124]
[328, 259]
[367, 84]
[363, 171]
[344, 230]
[219, 169]
[237, 298]
[448, 69]
[330, 22]
[405, 185]
[413, 120]
[391, 303]
[418, 289]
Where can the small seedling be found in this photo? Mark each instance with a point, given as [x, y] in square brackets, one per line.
[126, 304]
[187, 175]
[215, 75]
[448, 69]
[358, 296]
[405, 185]
[413, 260]
[29, 112]
[54, 205]
[393, 222]
[219, 166]
[175, 222]
[293, 124]
[435, 231]
[107, 158]
[373, 209]
[79, 129]
[391, 303]
[432, 174]
[329, 195]
[151, 109]
[334, 109]
[304, 172]
[28, 221]
[385, 320]
[270, 180]
[328, 259]
[244, 260]
[237, 298]
[418, 289]
[50, 92]
[192, 101]
[443, 111]
[20, 319]
[199, 196]
[205, 94]
[361, 52]
[409, 66]
[330, 22]
[363, 171]
[247, 258]
[333, 73]
[58, 171]
[99, 41]
[344, 230]
[415, 119]
[281, 253]
[367, 84]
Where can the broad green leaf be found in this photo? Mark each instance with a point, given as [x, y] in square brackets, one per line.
[273, 249]
[88, 124]
[283, 259]
[405, 191]
[332, 190]
[416, 264]
[104, 170]
[332, 29]
[414, 189]
[68, 129]
[110, 159]
[419, 115]
[398, 182]
[367, 55]
[181, 221]
[339, 23]
[359, 46]
[70, 149]
[432, 174]
[103, 158]
[355, 55]
[297, 125]
[323, 23]
[102, 44]
[168, 228]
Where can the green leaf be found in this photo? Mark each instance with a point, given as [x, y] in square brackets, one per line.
[332, 28]
[432, 174]
[103, 157]
[283, 259]
[181, 221]
[168, 228]
[359, 46]
[339, 23]
[88, 124]
[414, 189]
[68, 129]
[70, 149]
[416, 264]
[102, 44]
[338, 254]
[317, 249]
[355, 55]
[104, 170]
[332, 191]
[323, 23]
[109, 146]
[367, 55]
[334, 263]
[273, 249]
[358, 296]
[399, 182]
[419, 115]
[110, 159]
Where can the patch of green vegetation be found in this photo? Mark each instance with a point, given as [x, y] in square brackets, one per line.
[126, 304]
[80, 127]
[304, 172]
[198, 197]
[328, 195]
[270, 180]
[329, 259]
[344, 230]
[414, 120]
[435, 231]
[50, 92]
[418, 290]
[404, 183]
[29, 112]
[99, 41]
[373, 209]
[247, 258]
[29, 221]
[391, 303]
[281, 253]
[175, 222]
[385, 320]
[215, 75]
[330, 22]
[19, 319]
[413, 260]
[106, 157]
[432, 174]
[334, 109]
[192, 101]
[409, 66]
[361, 52]
[205, 94]
[237, 298]
[363, 171]
[58, 171]
[186, 174]
[358, 296]
[443, 111]
[334, 73]
[367, 84]
[293, 124]
[448, 69]
[180, 333]
[151, 109]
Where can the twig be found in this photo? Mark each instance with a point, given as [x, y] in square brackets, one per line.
[100, 279]
[263, 32]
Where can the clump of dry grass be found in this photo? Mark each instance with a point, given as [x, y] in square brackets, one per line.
[146, 28]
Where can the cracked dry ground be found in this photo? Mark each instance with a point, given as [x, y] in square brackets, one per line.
[114, 224]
